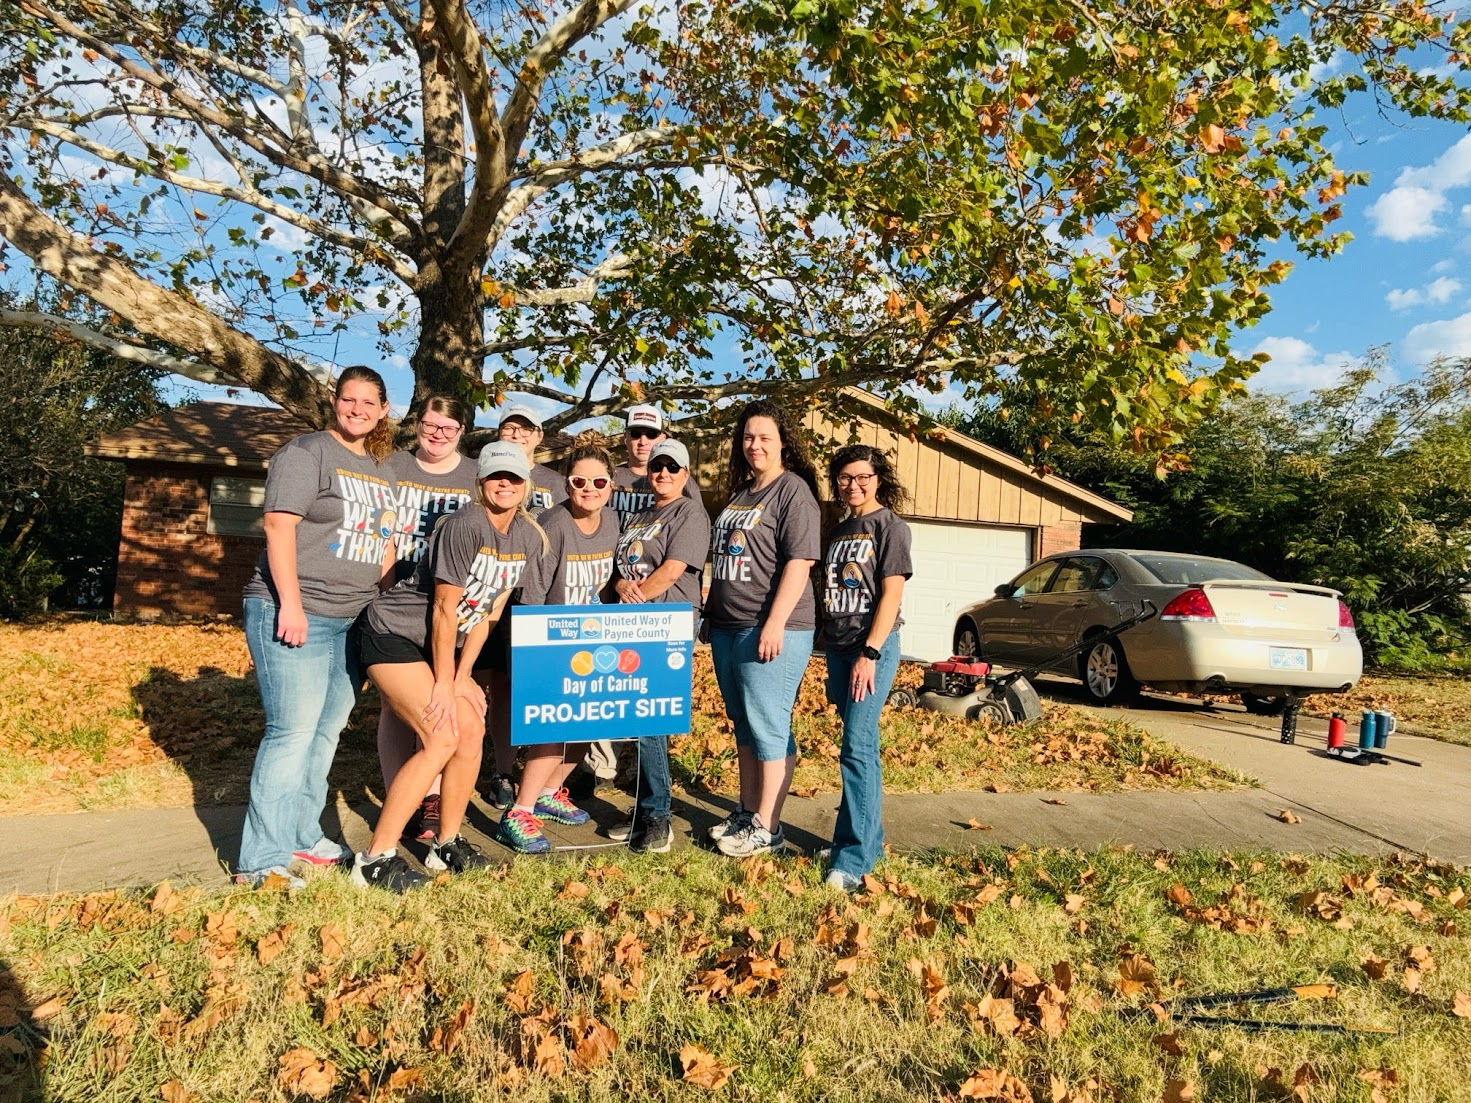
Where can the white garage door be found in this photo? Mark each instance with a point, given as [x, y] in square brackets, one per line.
[954, 564]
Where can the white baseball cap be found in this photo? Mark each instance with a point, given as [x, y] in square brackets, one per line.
[523, 411]
[673, 450]
[503, 458]
[644, 417]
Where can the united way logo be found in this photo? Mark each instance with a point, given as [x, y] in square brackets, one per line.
[852, 576]
[737, 542]
[592, 629]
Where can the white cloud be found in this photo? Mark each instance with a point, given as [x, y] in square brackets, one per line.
[1448, 337]
[1436, 292]
[1297, 365]
[1409, 209]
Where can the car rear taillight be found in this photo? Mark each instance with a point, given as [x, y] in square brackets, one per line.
[1190, 605]
[1345, 618]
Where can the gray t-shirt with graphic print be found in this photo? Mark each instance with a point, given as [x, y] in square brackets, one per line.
[579, 565]
[863, 552]
[347, 508]
[465, 551]
[548, 488]
[632, 493]
[756, 534]
[423, 499]
[679, 530]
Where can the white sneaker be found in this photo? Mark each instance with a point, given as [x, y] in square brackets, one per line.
[276, 875]
[622, 831]
[736, 821]
[751, 840]
[324, 852]
[843, 882]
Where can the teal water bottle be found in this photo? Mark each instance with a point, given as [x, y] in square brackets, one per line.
[1368, 725]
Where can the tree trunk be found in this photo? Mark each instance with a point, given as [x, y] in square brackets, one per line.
[451, 333]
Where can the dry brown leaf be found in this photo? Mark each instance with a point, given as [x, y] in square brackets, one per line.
[573, 890]
[47, 1009]
[1179, 895]
[1373, 966]
[1178, 1091]
[172, 1091]
[704, 1069]
[1054, 800]
[1170, 1043]
[220, 928]
[302, 1072]
[809, 1070]
[995, 1084]
[518, 996]
[1316, 991]
[403, 1079]
[1288, 816]
[272, 944]
[447, 1037]
[333, 941]
[593, 1042]
[974, 824]
[1461, 1005]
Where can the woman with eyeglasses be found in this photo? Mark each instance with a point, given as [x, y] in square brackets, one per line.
[661, 557]
[867, 564]
[582, 533]
[521, 425]
[762, 614]
[421, 644]
[434, 479]
[329, 524]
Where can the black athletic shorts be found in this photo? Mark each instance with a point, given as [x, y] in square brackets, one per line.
[385, 647]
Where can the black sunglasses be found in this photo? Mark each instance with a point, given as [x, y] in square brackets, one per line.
[645, 434]
[662, 464]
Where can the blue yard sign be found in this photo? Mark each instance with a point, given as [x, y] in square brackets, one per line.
[582, 672]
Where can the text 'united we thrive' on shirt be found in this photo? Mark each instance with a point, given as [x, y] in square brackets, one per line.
[862, 552]
[423, 499]
[679, 530]
[579, 565]
[756, 535]
[348, 512]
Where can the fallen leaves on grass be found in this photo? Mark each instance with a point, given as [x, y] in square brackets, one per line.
[995, 1084]
[1136, 974]
[302, 1072]
[703, 1069]
[1178, 1091]
[1461, 1005]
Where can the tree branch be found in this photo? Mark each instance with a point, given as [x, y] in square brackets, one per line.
[114, 346]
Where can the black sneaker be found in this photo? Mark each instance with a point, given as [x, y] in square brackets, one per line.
[502, 791]
[456, 855]
[386, 871]
[423, 825]
[652, 836]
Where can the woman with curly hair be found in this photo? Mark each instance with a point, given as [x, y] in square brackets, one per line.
[329, 520]
[867, 563]
[762, 615]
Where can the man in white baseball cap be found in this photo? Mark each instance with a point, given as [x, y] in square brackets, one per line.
[643, 429]
[520, 424]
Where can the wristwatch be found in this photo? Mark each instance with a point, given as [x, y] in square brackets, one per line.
[871, 653]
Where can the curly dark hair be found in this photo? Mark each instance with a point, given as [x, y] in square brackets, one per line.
[890, 493]
[794, 455]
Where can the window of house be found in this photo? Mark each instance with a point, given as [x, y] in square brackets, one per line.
[235, 506]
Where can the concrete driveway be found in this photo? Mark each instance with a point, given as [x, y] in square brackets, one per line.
[1425, 809]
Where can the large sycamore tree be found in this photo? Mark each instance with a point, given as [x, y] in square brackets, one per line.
[592, 200]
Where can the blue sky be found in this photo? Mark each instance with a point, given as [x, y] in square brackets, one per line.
[1405, 279]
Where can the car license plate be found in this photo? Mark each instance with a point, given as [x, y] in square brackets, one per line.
[1289, 658]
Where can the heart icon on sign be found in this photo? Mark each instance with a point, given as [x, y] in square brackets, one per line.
[605, 659]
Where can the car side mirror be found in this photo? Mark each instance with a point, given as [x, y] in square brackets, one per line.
[1006, 589]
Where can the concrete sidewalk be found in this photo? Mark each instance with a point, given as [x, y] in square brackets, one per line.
[1358, 809]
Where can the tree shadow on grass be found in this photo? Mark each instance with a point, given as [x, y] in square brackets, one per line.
[21, 1041]
[210, 725]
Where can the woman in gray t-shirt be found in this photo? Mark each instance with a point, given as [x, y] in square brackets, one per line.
[434, 480]
[329, 517]
[661, 557]
[761, 614]
[866, 566]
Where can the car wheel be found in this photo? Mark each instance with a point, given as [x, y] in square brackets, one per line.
[1263, 706]
[967, 640]
[1105, 673]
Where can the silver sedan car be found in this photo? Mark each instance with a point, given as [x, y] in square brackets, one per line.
[1221, 627]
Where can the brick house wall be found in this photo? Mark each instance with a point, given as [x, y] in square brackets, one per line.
[168, 562]
[1060, 537]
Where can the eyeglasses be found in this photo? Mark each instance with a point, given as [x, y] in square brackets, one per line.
[516, 430]
[856, 480]
[645, 434]
[582, 482]
[443, 429]
[665, 465]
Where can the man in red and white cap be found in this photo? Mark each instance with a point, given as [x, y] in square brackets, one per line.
[643, 428]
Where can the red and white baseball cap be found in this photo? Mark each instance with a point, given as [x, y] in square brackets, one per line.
[644, 417]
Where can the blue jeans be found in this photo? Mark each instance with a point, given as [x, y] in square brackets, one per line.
[654, 782]
[858, 836]
[308, 693]
[759, 696]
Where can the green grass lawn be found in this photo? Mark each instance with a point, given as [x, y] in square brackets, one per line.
[1030, 975]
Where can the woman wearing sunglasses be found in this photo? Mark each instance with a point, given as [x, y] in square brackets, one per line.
[661, 556]
[434, 479]
[867, 564]
[581, 533]
[421, 644]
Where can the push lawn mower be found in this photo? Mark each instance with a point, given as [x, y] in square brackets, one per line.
[964, 686]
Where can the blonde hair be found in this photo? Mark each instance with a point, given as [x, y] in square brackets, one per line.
[523, 511]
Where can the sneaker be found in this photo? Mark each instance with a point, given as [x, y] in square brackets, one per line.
[738, 820]
[654, 836]
[843, 882]
[502, 791]
[622, 831]
[386, 871]
[521, 831]
[751, 839]
[559, 809]
[324, 852]
[456, 855]
[423, 825]
[275, 877]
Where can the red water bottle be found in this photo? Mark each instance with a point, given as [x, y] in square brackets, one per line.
[1337, 729]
